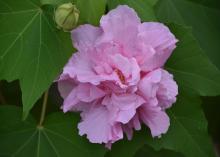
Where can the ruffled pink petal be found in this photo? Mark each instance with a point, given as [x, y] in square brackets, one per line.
[120, 26]
[82, 93]
[128, 131]
[127, 101]
[134, 123]
[88, 92]
[65, 87]
[167, 91]
[135, 72]
[123, 107]
[156, 119]
[157, 44]
[128, 67]
[117, 132]
[81, 67]
[159, 84]
[148, 85]
[70, 101]
[84, 37]
[69, 70]
[121, 63]
[98, 128]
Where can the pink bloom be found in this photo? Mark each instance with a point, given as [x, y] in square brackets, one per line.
[116, 78]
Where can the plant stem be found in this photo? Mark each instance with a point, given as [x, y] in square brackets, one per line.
[43, 110]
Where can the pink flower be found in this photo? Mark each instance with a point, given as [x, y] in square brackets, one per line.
[116, 78]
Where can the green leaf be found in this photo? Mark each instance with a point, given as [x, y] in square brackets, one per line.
[208, 3]
[56, 2]
[90, 11]
[144, 8]
[32, 49]
[211, 108]
[147, 151]
[152, 2]
[126, 148]
[188, 129]
[203, 19]
[190, 66]
[58, 137]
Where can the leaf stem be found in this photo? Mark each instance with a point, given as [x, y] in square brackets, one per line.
[43, 110]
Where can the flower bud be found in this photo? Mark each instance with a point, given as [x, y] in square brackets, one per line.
[66, 16]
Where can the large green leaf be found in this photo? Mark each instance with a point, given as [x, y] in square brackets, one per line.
[190, 66]
[211, 107]
[91, 10]
[136, 148]
[208, 3]
[56, 2]
[203, 19]
[57, 137]
[147, 151]
[128, 148]
[32, 49]
[188, 130]
[144, 8]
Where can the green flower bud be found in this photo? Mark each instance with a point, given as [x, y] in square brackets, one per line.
[66, 16]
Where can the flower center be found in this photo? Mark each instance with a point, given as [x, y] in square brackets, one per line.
[120, 76]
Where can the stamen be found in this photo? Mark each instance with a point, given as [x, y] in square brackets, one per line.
[120, 76]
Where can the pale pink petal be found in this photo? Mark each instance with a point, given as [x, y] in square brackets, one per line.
[156, 119]
[125, 115]
[70, 101]
[87, 92]
[128, 131]
[81, 68]
[135, 72]
[134, 123]
[120, 26]
[148, 85]
[127, 101]
[167, 91]
[126, 106]
[128, 67]
[117, 133]
[97, 127]
[85, 36]
[111, 87]
[161, 43]
[84, 92]
[65, 87]
[121, 63]
[82, 107]
[68, 70]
